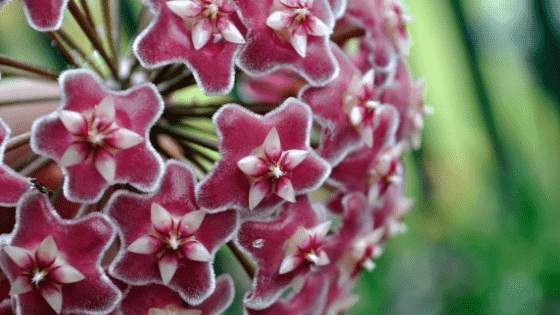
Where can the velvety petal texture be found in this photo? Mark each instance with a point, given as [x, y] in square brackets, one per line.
[43, 15]
[115, 150]
[241, 134]
[145, 220]
[13, 184]
[171, 38]
[272, 45]
[264, 242]
[155, 299]
[82, 286]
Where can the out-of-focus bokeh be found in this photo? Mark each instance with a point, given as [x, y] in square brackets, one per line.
[484, 235]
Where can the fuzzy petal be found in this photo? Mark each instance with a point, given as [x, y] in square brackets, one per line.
[196, 251]
[74, 122]
[46, 252]
[252, 165]
[272, 146]
[76, 153]
[168, 265]
[20, 256]
[293, 158]
[146, 245]
[290, 263]
[190, 223]
[104, 113]
[316, 27]
[299, 40]
[201, 33]
[105, 164]
[66, 274]
[161, 219]
[281, 19]
[185, 8]
[284, 189]
[22, 284]
[230, 32]
[123, 138]
[53, 296]
[259, 190]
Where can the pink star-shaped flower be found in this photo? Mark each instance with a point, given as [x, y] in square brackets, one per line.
[43, 15]
[283, 247]
[416, 112]
[203, 34]
[166, 238]
[54, 265]
[288, 33]
[100, 137]
[13, 185]
[155, 299]
[265, 160]
[348, 108]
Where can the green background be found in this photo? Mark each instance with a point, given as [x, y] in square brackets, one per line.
[483, 236]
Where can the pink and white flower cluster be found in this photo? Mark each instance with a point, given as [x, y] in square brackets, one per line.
[337, 109]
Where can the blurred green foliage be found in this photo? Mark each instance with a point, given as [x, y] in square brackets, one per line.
[484, 234]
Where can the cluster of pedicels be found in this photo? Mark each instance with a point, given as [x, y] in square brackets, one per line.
[305, 193]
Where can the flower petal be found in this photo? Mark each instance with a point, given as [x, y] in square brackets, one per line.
[121, 138]
[190, 223]
[229, 31]
[66, 274]
[194, 250]
[185, 9]
[299, 40]
[46, 252]
[20, 256]
[290, 263]
[284, 189]
[105, 164]
[22, 284]
[258, 191]
[201, 33]
[76, 153]
[53, 296]
[161, 219]
[316, 27]
[290, 3]
[321, 230]
[253, 165]
[104, 113]
[74, 122]
[293, 158]
[272, 146]
[168, 264]
[280, 19]
[146, 244]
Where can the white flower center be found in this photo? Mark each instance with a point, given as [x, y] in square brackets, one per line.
[38, 276]
[303, 12]
[173, 242]
[213, 8]
[277, 172]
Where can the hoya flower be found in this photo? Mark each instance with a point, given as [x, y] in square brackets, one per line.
[265, 160]
[416, 114]
[166, 237]
[283, 247]
[389, 217]
[396, 21]
[388, 169]
[288, 34]
[54, 266]
[100, 137]
[155, 299]
[348, 108]
[43, 15]
[13, 184]
[205, 35]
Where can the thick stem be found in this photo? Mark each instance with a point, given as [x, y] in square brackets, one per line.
[161, 128]
[15, 63]
[105, 8]
[79, 50]
[65, 53]
[243, 260]
[18, 141]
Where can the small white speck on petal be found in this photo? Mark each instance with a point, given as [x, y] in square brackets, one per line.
[321, 230]
[258, 191]
[279, 20]
[46, 252]
[53, 296]
[66, 274]
[272, 146]
[316, 27]
[185, 9]
[284, 189]
[168, 264]
[76, 153]
[201, 33]
[22, 284]
[253, 166]
[74, 122]
[293, 158]
[161, 219]
[356, 115]
[194, 250]
[20, 256]
[190, 223]
[146, 244]
[105, 164]
[229, 31]
[290, 263]
[123, 138]
[299, 40]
